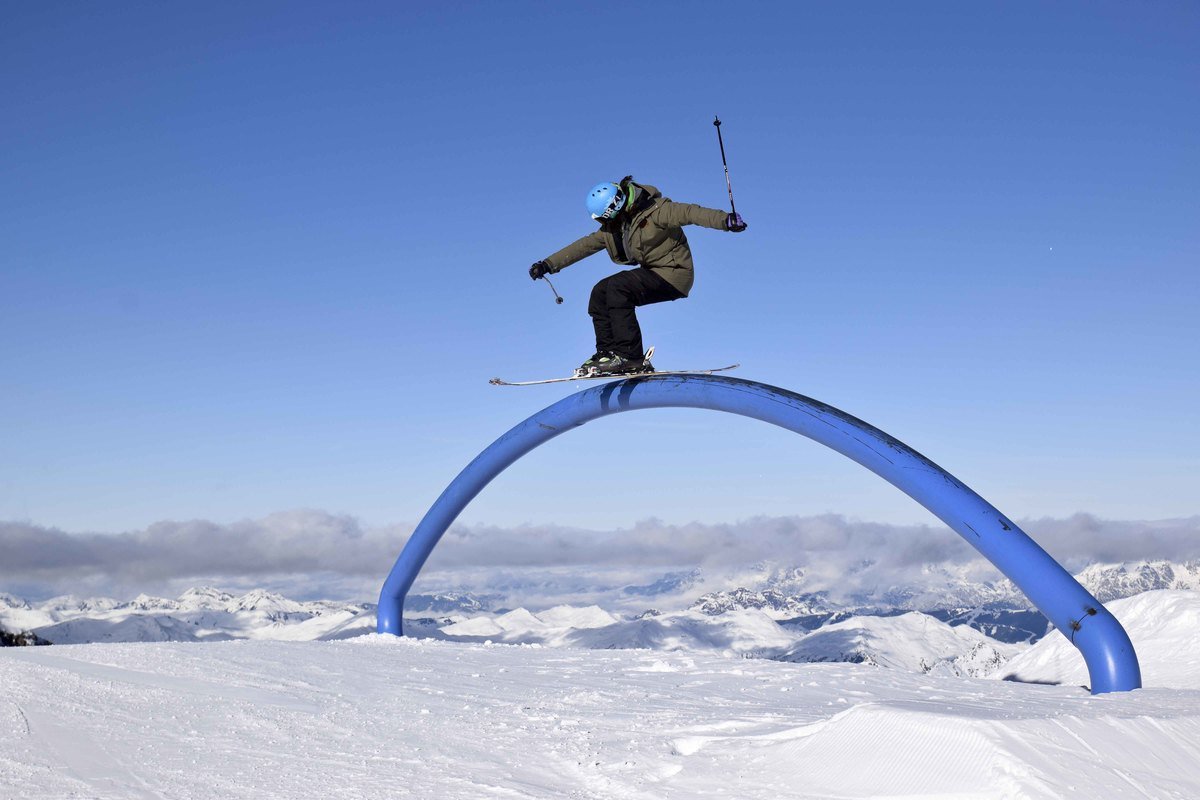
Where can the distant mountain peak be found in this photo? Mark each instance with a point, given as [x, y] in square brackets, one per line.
[205, 597]
[771, 601]
[262, 600]
[9, 601]
[1116, 581]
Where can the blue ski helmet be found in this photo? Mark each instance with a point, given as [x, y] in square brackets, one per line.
[605, 200]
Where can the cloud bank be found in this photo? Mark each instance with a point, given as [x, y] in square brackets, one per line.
[334, 554]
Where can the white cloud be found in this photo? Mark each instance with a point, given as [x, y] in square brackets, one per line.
[312, 552]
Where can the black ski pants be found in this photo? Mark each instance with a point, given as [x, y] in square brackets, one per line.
[612, 305]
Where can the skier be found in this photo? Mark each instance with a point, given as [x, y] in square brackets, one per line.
[640, 228]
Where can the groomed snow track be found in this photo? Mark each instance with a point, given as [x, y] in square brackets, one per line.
[1105, 646]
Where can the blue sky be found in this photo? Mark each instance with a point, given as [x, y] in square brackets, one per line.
[260, 257]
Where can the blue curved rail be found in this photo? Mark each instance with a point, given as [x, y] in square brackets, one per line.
[1111, 661]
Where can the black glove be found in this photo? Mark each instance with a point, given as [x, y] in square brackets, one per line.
[539, 270]
[735, 223]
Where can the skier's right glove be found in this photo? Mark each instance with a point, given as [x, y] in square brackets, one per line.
[539, 270]
[735, 223]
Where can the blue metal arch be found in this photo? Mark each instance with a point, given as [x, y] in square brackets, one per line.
[1111, 661]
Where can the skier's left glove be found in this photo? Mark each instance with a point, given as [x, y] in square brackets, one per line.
[735, 223]
[539, 270]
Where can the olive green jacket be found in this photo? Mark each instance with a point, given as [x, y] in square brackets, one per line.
[648, 233]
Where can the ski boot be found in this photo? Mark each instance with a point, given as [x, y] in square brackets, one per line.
[616, 364]
[589, 367]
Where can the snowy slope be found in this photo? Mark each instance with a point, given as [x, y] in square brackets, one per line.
[1164, 627]
[912, 641]
[383, 717]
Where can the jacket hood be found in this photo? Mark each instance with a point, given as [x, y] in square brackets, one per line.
[652, 193]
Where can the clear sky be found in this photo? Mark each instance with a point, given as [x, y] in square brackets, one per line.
[265, 256]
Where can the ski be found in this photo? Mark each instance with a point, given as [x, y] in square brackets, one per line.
[650, 374]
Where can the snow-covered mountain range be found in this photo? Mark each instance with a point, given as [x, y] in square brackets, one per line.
[763, 621]
[201, 614]
[1115, 581]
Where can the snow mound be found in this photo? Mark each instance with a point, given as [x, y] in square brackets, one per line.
[910, 749]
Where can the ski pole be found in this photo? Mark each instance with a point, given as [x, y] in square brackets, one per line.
[717, 122]
[557, 299]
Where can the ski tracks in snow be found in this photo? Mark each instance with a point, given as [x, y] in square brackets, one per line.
[55, 744]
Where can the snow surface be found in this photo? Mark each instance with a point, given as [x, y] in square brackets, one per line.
[382, 717]
[386, 717]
